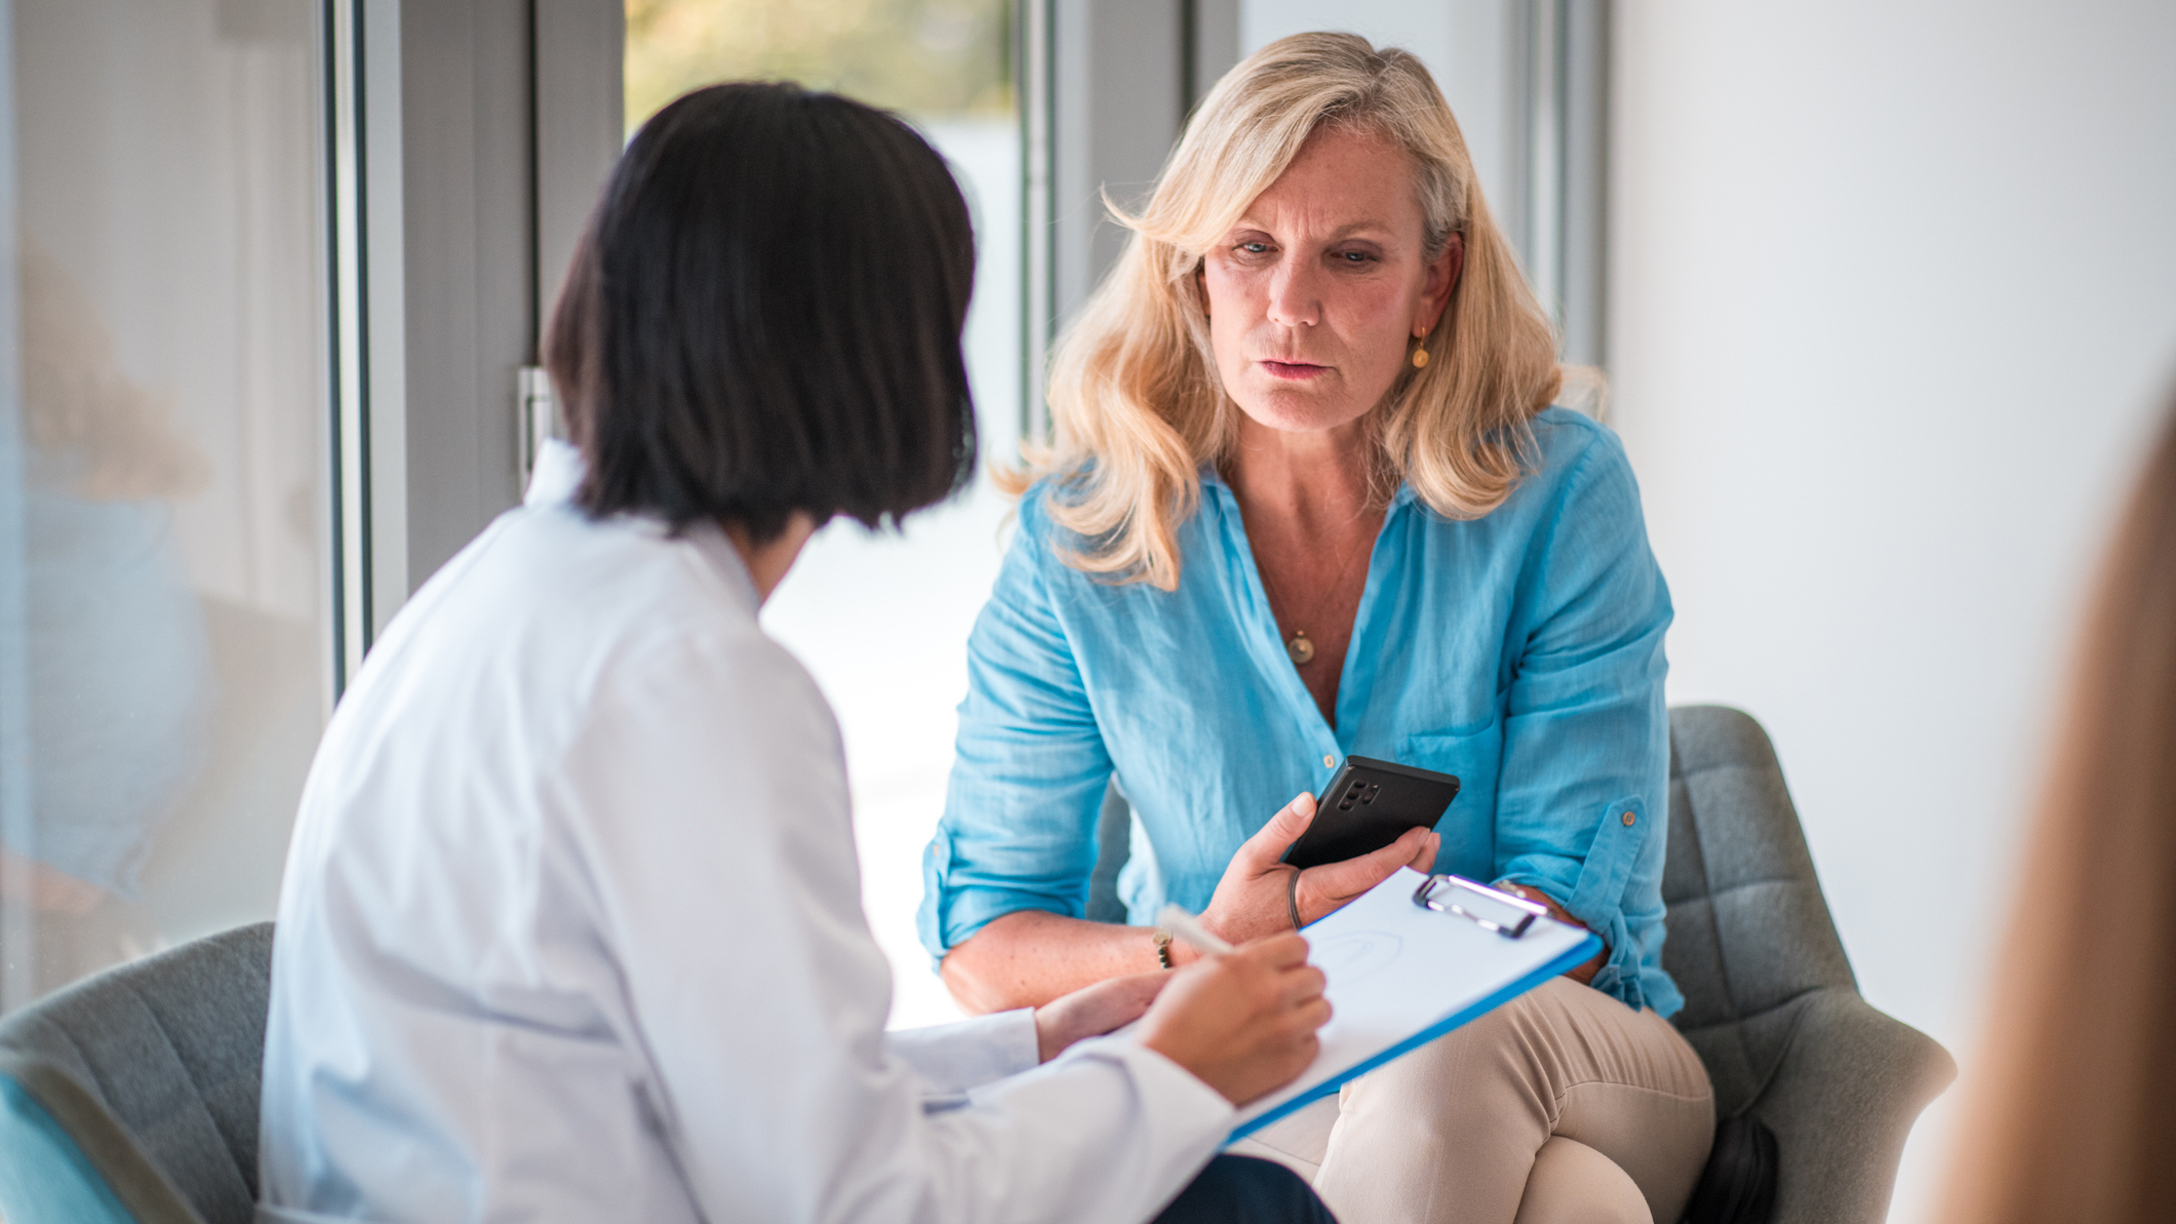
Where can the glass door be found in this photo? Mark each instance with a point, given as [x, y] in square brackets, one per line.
[164, 553]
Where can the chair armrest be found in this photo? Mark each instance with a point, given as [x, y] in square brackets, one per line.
[1842, 1102]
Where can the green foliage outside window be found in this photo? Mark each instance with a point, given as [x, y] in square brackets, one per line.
[922, 57]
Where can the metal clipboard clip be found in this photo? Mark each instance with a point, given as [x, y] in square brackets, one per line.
[1491, 909]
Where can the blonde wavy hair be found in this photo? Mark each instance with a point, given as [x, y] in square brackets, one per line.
[1133, 388]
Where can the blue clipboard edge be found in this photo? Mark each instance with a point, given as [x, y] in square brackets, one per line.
[1577, 956]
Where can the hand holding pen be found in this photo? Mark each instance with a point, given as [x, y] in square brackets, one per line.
[1242, 1019]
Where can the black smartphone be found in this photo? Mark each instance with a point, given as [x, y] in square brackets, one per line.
[1367, 806]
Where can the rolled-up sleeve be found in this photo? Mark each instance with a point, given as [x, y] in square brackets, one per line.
[1019, 827]
[1583, 801]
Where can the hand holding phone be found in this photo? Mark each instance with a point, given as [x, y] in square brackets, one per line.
[1368, 805]
[1259, 895]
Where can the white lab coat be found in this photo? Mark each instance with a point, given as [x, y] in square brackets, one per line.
[572, 930]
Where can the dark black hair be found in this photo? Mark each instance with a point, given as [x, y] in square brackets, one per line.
[764, 316]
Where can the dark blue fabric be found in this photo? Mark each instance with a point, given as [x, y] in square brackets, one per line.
[1243, 1190]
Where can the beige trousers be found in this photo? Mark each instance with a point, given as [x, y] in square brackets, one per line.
[1563, 1106]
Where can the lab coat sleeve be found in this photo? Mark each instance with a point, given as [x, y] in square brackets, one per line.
[951, 1058]
[705, 820]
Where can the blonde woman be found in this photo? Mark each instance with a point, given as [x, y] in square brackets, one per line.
[1309, 499]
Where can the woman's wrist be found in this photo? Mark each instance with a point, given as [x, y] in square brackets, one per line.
[1183, 954]
[1582, 974]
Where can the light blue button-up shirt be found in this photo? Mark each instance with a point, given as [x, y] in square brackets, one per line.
[1521, 651]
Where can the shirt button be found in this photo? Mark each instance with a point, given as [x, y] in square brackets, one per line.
[1628, 819]
[1328, 760]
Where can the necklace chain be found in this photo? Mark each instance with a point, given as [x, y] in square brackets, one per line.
[1297, 646]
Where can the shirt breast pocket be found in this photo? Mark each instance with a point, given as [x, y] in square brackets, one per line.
[1469, 828]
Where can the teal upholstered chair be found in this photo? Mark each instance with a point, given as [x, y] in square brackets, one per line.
[47, 1175]
[132, 1096]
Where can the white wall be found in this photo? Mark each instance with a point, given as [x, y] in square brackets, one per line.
[1893, 307]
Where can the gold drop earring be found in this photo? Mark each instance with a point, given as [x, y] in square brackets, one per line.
[1420, 352]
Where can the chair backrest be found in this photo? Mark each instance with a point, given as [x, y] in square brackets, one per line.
[168, 1051]
[1748, 928]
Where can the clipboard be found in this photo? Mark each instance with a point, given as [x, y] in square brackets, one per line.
[1408, 961]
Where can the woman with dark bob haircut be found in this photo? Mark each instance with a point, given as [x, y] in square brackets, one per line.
[571, 928]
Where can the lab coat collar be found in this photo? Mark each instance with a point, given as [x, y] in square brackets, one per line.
[558, 473]
[710, 541]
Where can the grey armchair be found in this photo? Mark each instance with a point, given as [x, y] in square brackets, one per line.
[132, 1096]
[1770, 1001]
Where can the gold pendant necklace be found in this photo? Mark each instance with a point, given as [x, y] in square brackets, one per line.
[1297, 646]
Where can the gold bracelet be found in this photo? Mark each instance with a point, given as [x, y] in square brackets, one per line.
[1162, 939]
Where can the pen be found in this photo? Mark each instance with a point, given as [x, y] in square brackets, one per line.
[1188, 928]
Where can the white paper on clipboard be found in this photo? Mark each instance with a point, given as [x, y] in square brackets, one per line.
[1402, 974]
